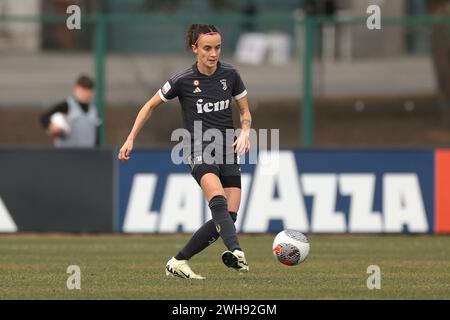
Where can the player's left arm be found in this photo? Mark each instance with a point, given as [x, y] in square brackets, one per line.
[242, 143]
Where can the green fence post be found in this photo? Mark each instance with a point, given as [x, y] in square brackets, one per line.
[100, 56]
[307, 112]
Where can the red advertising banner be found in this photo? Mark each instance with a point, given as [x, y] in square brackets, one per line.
[442, 176]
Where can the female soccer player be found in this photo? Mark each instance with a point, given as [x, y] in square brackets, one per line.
[205, 91]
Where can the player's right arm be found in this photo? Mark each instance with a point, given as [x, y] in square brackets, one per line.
[143, 115]
[168, 91]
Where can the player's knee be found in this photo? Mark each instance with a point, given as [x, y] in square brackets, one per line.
[218, 202]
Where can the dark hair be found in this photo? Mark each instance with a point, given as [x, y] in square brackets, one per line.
[195, 30]
[85, 82]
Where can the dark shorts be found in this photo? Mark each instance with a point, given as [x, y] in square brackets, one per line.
[228, 173]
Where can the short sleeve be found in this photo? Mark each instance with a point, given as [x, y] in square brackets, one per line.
[168, 90]
[239, 90]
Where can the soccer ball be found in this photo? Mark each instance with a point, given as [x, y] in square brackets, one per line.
[290, 247]
[60, 120]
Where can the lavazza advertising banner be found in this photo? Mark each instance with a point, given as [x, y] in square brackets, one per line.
[332, 191]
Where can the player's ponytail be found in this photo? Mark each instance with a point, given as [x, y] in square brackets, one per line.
[195, 30]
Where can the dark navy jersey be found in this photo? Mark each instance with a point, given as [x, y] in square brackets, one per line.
[205, 98]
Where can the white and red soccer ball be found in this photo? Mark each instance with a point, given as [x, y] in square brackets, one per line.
[290, 247]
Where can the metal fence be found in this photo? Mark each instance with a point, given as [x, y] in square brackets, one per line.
[163, 34]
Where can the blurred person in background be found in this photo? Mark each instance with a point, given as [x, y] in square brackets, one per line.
[74, 122]
[205, 91]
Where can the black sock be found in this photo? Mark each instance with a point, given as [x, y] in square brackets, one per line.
[202, 238]
[224, 222]
[233, 215]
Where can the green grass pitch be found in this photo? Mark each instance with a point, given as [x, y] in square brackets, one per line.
[132, 267]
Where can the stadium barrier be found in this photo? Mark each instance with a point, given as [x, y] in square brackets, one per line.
[314, 191]
[47, 190]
